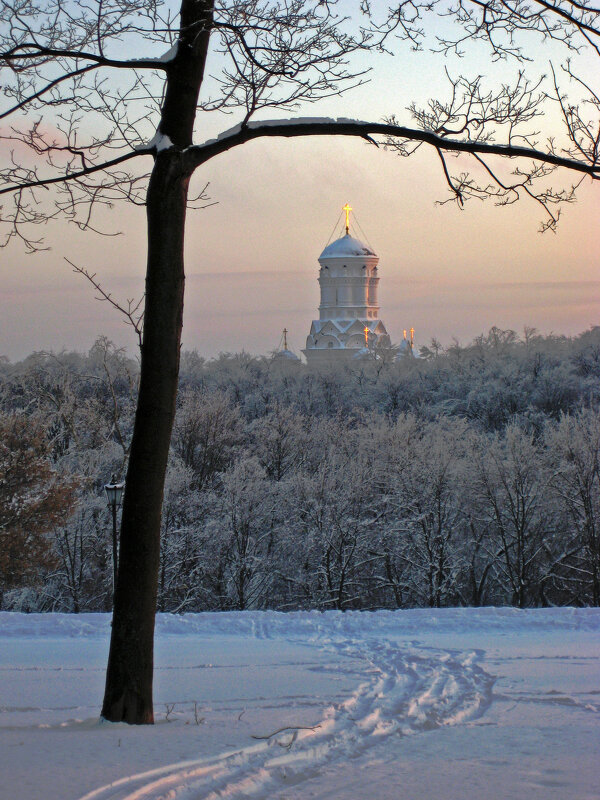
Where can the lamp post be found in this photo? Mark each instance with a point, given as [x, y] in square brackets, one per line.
[114, 493]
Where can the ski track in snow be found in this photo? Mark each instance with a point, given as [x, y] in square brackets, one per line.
[406, 691]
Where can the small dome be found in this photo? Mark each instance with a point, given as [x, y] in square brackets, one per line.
[346, 246]
[404, 350]
[286, 354]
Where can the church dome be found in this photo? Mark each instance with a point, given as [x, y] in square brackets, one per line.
[346, 246]
[285, 354]
[348, 325]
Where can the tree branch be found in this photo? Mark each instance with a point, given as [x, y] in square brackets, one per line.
[199, 154]
[71, 176]
[30, 51]
[132, 313]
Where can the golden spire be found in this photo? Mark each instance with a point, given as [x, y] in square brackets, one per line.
[412, 336]
[347, 209]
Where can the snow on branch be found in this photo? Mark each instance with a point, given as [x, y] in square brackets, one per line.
[27, 52]
[327, 126]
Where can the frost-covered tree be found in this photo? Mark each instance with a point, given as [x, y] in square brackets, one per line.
[246, 528]
[428, 514]
[86, 401]
[183, 566]
[280, 441]
[512, 488]
[82, 577]
[101, 101]
[574, 451]
[207, 429]
[74, 396]
[334, 527]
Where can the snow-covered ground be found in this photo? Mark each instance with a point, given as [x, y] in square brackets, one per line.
[458, 704]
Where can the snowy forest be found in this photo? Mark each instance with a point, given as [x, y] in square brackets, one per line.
[467, 476]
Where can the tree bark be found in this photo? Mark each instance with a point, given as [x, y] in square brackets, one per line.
[128, 694]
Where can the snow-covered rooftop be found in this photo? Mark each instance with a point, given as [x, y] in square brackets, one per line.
[346, 246]
[286, 354]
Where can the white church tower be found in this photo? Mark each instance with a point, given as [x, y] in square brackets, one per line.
[348, 325]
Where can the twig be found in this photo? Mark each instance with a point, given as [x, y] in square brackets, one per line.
[289, 728]
[197, 718]
[132, 312]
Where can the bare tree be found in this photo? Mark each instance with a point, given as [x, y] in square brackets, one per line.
[96, 92]
[575, 449]
[206, 431]
[511, 487]
[429, 517]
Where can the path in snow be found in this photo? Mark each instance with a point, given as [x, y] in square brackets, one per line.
[405, 692]
[384, 705]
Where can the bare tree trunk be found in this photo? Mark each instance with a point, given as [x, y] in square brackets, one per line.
[128, 694]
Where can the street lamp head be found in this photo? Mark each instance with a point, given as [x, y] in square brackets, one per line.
[114, 492]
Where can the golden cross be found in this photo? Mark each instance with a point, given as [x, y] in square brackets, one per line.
[412, 335]
[366, 336]
[347, 209]
[285, 333]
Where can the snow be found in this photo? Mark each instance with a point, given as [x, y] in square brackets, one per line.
[270, 123]
[226, 134]
[286, 354]
[159, 142]
[166, 57]
[277, 123]
[170, 54]
[454, 703]
[346, 247]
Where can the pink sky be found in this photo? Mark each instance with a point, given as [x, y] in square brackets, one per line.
[252, 258]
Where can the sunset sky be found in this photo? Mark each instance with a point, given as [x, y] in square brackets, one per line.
[252, 257]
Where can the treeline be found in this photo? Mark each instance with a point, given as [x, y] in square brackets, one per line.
[468, 476]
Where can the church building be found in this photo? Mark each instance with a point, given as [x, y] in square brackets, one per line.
[348, 325]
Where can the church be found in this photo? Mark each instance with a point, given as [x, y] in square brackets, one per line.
[348, 326]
